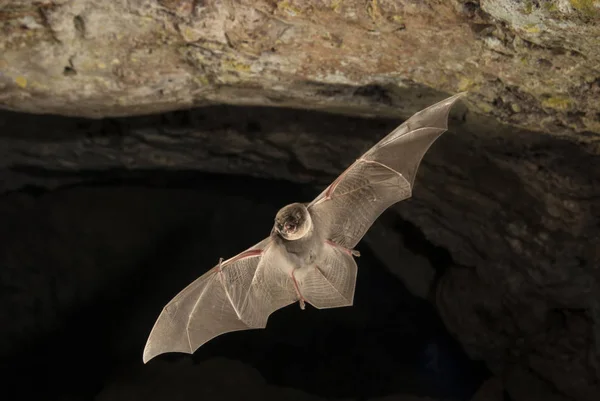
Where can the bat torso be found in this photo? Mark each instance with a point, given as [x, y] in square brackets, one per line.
[306, 251]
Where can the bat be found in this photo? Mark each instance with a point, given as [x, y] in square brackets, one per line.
[309, 255]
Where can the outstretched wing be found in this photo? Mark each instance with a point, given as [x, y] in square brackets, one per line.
[383, 176]
[331, 281]
[238, 294]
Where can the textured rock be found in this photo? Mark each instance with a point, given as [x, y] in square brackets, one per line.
[86, 270]
[216, 379]
[179, 382]
[530, 63]
[491, 390]
[518, 209]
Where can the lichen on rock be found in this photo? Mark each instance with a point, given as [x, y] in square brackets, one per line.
[511, 192]
[99, 59]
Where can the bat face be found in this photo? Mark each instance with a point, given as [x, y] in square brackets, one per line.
[293, 222]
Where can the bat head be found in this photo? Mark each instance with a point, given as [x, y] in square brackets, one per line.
[293, 222]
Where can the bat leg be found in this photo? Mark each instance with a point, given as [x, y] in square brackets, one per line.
[219, 265]
[352, 252]
[300, 297]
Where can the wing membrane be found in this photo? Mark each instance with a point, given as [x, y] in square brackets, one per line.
[240, 294]
[383, 176]
[331, 282]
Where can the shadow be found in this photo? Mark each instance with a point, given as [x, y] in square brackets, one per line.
[389, 342]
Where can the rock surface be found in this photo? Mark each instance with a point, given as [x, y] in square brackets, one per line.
[178, 381]
[515, 210]
[534, 64]
[86, 270]
[517, 206]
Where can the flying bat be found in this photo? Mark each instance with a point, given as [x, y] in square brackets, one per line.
[309, 255]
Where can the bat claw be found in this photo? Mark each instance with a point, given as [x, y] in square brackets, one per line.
[302, 304]
[355, 253]
[219, 265]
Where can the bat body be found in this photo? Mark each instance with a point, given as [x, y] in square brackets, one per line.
[309, 255]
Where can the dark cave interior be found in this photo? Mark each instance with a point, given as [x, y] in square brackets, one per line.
[88, 267]
[182, 127]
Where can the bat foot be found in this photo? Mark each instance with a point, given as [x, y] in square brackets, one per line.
[219, 265]
[300, 297]
[352, 252]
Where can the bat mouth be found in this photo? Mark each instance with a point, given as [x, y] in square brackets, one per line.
[293, 222]
[293, 230]
[290, 227]
[287, 229]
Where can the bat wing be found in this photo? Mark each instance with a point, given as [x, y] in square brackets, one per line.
[238, 294]
[383, 176]
[330, 283]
